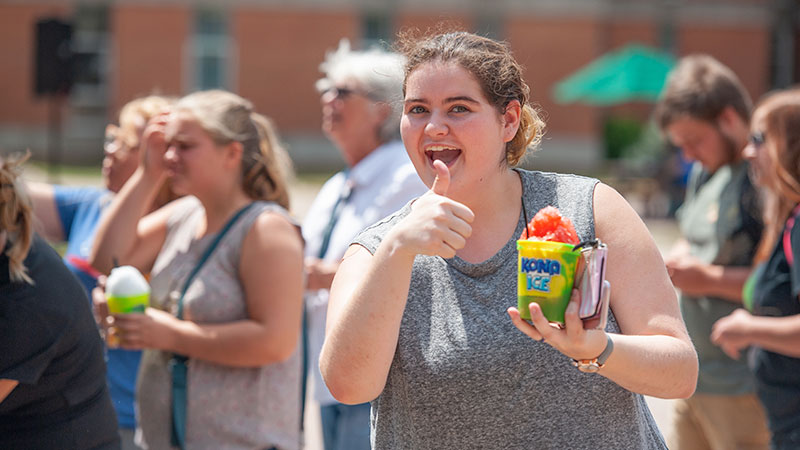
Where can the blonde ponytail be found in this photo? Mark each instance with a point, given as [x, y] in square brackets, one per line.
[266, 173]
[227, 118]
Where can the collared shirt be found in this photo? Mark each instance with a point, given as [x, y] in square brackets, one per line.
[382, 183]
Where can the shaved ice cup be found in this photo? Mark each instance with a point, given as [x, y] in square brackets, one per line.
[127, 291]
[545, 275]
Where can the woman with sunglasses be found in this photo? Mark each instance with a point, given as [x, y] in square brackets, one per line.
[71, 214]
[772, 330]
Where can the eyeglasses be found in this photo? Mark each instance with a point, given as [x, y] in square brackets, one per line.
[342, 93]
[757, 139]
[115, 140]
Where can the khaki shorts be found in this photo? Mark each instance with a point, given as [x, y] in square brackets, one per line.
[719, 422]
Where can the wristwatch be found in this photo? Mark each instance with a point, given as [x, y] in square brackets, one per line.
[593, 365]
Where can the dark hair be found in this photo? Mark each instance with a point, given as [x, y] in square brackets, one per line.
[701, 87]
[781, 115]
[227, 118]
[497, 72]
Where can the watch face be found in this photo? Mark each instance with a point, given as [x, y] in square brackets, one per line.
[591, 367]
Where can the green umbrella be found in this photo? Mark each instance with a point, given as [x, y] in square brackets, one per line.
[634, 72]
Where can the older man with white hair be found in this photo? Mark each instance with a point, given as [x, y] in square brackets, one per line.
[361, 96]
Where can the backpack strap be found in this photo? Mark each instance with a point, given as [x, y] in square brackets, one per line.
[787, 235]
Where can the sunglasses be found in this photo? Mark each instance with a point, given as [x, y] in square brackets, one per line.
[757, 139]
[342, 92]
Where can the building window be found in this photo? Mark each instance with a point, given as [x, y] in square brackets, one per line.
[90, 55]
[377, 30]
[211, 50]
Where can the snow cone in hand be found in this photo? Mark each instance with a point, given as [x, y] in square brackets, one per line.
[547, 263]
[126, 291]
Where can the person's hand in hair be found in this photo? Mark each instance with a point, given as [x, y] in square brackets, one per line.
[154, 145]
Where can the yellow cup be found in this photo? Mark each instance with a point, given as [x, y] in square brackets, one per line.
[545, 275]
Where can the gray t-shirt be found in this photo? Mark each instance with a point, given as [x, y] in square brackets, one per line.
[721, 221]
[464, 377]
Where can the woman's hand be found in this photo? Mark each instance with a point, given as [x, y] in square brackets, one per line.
[319, 273]
[99, 302]
[100, 312]
[731, 333]
[152, 329]
[572, 340]
[436, 225]
[153, 146]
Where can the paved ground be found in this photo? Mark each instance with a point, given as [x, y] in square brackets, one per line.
[302, 193]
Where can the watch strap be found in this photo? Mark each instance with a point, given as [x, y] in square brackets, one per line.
[601, 358]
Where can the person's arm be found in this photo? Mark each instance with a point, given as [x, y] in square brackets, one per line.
[47, 223]
[653, 355]
[369, 293]
[6, 386]
[125, 235]
[696, 278]
[271, 272]
[741, 329]
[320, 273]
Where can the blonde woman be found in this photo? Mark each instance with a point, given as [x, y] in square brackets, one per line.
[225, 312]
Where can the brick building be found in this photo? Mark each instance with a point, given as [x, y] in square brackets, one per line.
[269, 51]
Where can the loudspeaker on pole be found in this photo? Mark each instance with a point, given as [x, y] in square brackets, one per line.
[53, 58]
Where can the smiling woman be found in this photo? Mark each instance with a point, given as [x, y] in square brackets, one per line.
[420, 322]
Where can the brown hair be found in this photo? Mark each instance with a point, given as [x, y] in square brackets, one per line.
[495, 69]
[701, 87]
[781, 114]
[227, 118]
[15, 216]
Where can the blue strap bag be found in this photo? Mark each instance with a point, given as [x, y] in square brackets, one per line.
[177, 364]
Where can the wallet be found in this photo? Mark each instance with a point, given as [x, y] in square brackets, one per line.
[595, 289]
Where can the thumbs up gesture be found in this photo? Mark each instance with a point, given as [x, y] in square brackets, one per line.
[437, 225]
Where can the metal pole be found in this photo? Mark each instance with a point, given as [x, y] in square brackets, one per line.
[54, 136]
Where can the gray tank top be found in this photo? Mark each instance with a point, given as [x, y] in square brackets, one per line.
[227, 407]
[464, 377]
